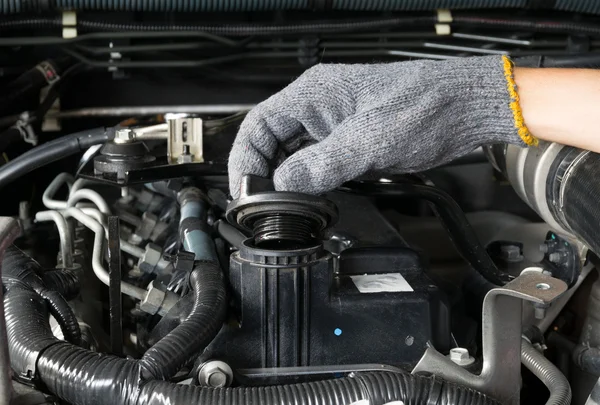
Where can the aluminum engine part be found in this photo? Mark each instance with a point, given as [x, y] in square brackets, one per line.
[500, 375]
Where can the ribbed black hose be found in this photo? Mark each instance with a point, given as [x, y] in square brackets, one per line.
[166, 357]
[52, 151]
[554, 26]
[66, 282]
[82, 377]
[239, 29]
[27, 326]
[452, 218]
[13, 6]
[17, 265]
[377, 388]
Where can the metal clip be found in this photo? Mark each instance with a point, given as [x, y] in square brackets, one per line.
[23, 126]
[500, 376]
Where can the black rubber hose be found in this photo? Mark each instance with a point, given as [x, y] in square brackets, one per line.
[14, 6]
[17, 265]
[231, 234]
[239, 29]
[66, 282]
[587, 358]
[452, 217]
[80, 377]
[375, 388]
[553, 26]
[166, 357]
[52, 151]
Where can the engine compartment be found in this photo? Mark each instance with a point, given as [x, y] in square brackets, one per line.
[137, 279]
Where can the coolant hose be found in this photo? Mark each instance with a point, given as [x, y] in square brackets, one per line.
[548, 373]
[194, 232]
[17, 265]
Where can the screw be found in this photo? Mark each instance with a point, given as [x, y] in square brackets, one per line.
[409, 340]
[544, 248]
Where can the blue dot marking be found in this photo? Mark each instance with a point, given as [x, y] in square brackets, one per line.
[337, 332]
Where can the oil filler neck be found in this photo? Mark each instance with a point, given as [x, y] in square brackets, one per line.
[280, 220]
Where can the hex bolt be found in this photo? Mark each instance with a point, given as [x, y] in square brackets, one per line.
[511, 252]
[461, 356]
[215, 374]
[124, 135]
[544, 248]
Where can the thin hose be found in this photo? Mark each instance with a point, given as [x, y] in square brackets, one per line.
[548, 373]
[452, 217]
[64, 234]
[48, 196]
[91, 195]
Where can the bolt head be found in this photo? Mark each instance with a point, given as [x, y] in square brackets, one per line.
[151, 257]
[124, 135]
[215, 374]
[461, 356]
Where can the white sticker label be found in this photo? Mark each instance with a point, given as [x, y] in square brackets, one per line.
[374, 283]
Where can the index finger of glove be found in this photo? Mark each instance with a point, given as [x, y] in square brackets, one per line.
[256, 146]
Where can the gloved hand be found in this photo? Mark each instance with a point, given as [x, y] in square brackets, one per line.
[337, 122]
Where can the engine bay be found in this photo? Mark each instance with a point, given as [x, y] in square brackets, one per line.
[131, 276]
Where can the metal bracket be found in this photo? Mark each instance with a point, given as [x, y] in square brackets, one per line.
[500, 376]
[185, 139]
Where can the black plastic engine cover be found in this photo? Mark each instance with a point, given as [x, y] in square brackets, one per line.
[297, 309]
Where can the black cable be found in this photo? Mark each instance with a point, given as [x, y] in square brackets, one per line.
[236, 30]
[18, 41]
[52, 151]
[555, 26]
[452, 217]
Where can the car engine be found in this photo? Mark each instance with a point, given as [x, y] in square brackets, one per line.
[132, 277]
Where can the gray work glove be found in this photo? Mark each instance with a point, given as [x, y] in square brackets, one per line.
[337, 122]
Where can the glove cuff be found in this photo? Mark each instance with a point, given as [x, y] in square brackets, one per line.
[515, 106]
